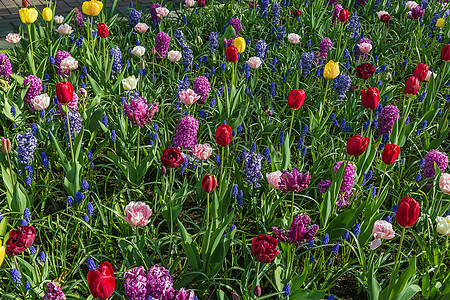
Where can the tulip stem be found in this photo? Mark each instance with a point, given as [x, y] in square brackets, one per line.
[221, 170]
[370, 123]
[381, 183]
[292, 208]
[396, 265]
[326, 90]
[70, 136]
[33, 68]
[10, 168]
[207, 211]
[290, 127]
[138, 146]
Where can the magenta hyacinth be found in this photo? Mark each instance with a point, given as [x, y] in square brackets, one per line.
[59, 57]
[324, 45]
[387, 118]
[236, 24]
[34, 89]
[323, 186]
[201, 87]
[294, 181]
[301, 231]
[162, 44]
[347, 184]
[53, 292]
[434, 156]
[186, 135]
[138, 111]
[160, 283]
[337, 10]
[154, 14]
[5, 67]
[136, 284]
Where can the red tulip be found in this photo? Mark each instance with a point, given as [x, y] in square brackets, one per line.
[356, 145]
[264, 248]
[6, 146]
[407, 212]
[297, 12]
[101, 281]
[343, 15]
[24, 3]
[209, 183]
[445, 53]
[390, 153]
[103, 30]
[385, 18]
[411, 86]
[232, 53]
[172, 158]
[19, 240]
[421, 72]
[64, 92]
[201, 3]
[370, 98]
[296, 99]
[224, 135]
[365, 70]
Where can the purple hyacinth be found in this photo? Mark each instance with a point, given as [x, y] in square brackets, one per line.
[116, 56]
[75, 125]
[5, 67]
[136, 284]
[139, 112]
[77, 18]
[324, 185]
[337, 10]
[347, 183]
[186, 135]
[26, 145]
[201, 87]
[294, 181]
[236, 24]
[59, 57]
[34, 89]
[324, 46]
[154, 14]
[159, 283]
[307, 59]
[162, 44]
[53, 292]
[342, 84]
[434, 156]
[386, 119]
[213, 41]
[134, 18]
[261, 48]
[301, 231]
[252, 168]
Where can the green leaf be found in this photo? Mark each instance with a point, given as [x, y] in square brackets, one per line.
[339, 225]
[189, 248]
[405, 278]
[286, 153]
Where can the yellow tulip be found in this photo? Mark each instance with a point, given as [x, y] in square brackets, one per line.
[440, 22]
[47, 14]
[331, 70]
[240, 44]
[2, 253]
[92, 8]
[28, 15]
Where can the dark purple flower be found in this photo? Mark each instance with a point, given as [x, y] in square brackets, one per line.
[186, 135]
[301, 231]
[162, 44]
[294, 182]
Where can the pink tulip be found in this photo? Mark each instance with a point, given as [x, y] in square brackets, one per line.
[161, 12]
[293, 38]
[444, 183]
[174, 55]
[274, 179]
[141, 27]
[365, 47]
[188, 97]
[202, 151]
[381, 230]
[138, 214]
[254, 62]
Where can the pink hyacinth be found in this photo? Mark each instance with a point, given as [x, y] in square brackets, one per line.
[346, 189]
[139, 112]
[138, 214]
[434, 156]
[186, 135]
[5, 67]
[337, 10]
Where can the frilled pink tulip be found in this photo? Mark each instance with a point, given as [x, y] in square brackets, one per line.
[188, 97]
[444, 183]
[202, 151]
[274, 179]
[365, 47]
[138, 214]
[383, 230]
[254, 62]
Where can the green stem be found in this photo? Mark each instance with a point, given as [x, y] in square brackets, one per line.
[221, 170]
[396, 265]
[207, 211]
[70, 136]
[290, 127]
[292, 208]
[138, 146]
[326, 90]
[10, 168]
[381, 183]
[370, 123]
[33, 68]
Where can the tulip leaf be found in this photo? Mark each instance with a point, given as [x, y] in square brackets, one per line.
[340, 224]
[189, 248]
[286, 153]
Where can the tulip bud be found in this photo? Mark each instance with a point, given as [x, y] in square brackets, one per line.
[231, 53]
[64, 92]
[331, 70]
[235, 296]
[343, 15]
[445, 53]
[407, 212]
[370, 98]
[257, 291]
[201, 3]
[390, 153]
[357, 145]
[24, 3]
[6, 145]
[143, 65]
[421, 72]
[209, 183]
[47, 14]
[199, 40]
[411, 86]
[163, 170]
[103, 30]
[224, 135]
